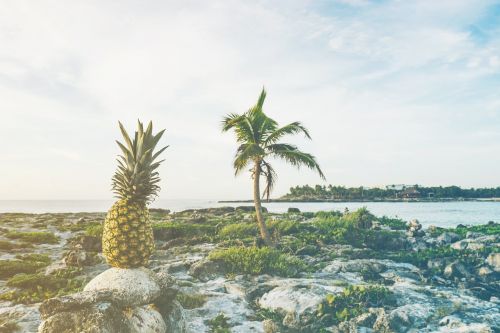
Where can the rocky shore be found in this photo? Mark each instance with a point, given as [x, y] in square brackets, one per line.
[329, 272]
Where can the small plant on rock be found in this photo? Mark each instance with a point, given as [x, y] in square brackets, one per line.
[352, 302]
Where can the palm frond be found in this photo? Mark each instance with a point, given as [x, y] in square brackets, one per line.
[244, 154]
[270, 177]
[295, 157]
[242, 127]
[290, 129]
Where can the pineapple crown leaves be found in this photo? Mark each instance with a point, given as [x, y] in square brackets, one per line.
[136, 178]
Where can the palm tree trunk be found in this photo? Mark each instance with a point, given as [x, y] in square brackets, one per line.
[264, 233]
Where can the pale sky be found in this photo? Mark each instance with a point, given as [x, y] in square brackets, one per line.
[391, 91]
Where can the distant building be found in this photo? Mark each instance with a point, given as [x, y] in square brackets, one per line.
[410, 193]
[396, 187]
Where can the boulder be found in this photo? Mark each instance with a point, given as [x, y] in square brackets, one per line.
[175, 320]
[78, 257]
[456, 270]
[116, 301]
[447, 238]
[130, 287]
[494, 261]
[74, 302]
[206, 269]
[145, 319]
[270, 326]
[460, 245]
[298, 303]
[415, 229]
[99, 318]
[293, 210]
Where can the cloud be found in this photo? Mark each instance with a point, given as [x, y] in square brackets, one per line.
[385, 87]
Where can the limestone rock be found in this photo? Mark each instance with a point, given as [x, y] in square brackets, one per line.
[206, 269]
[145, 319]
[456, 270]
[297, 302]
[78, 257]
[447, 238]
[175, 320]
[101, 318]
[131, 287]
[494, 261]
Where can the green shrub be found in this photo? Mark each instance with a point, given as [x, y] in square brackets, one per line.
[393, 223]
[352, 302]
[6, 245]
[94, 230]
[191, 301]
[327, 215]
[239, 231]
[486, 229]
[35, 257]
[219, 324]
[284, 227]
[36, 237]
[28, 263]
[256, 261]
[33, 288]
[420, 258]
[360, 218]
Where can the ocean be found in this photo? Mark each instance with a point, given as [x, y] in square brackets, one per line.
[444, 214]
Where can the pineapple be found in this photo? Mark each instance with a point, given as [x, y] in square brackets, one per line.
[127, 239]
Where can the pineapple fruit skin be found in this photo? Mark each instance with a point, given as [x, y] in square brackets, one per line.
[127, 239]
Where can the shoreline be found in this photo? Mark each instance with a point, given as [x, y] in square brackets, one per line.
[367, 200]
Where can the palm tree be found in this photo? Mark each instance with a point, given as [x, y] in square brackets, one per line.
[258, 137]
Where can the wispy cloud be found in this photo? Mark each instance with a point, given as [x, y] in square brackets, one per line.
[387, 88]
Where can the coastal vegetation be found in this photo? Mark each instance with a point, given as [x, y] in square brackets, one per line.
[259, 138]
[341, 193]
[338, 268]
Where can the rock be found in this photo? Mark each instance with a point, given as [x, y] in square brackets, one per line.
[471, 234]
[26, 317]
[460, 245]
[89, 243]
[74, 302]
[407, 317]
[249, 209]
[145, 319]
[363, 265]
[297, 302]
[293, 210]
[494, 261]
[456, 270]
[473, 246]
[365, 320]
[484, 271]
[382, 323]
[415, 229]
[270, 326]
[175, 320]
[438, 263]
[101, 318]
[131, 287]
[447, 238]
[450, 322]
[78, 257]
[206, 269]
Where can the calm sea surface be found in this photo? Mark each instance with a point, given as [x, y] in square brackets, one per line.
[428, 213]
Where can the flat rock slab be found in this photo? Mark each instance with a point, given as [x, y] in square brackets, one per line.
[130, 287]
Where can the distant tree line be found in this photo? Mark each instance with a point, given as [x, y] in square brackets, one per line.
[331, 192]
